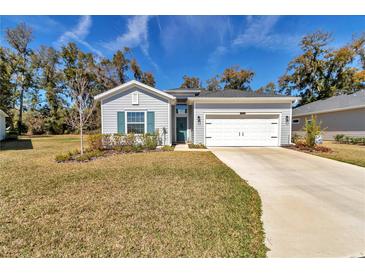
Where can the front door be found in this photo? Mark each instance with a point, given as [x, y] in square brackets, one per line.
[181, 126]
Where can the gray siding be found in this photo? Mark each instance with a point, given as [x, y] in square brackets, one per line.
[191, 122]
[348, 122]
[123, 102]
[2, 127]
[284, 109]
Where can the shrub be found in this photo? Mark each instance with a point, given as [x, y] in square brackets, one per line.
[339, 138]
[295, 138]
[127, 149]
[137, 148]
[312, 129]
[130, 139]
[95, 153]
[150, 141]
[84, 157]
[201, 146]
[95, 141]
[107, 141]
[62, 157]
[167, 148]
[118, 139]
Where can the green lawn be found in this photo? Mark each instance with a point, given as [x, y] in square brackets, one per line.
[165, 204]
[352, 154]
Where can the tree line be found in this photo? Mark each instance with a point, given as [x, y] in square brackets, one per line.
[53, 89]
[46, 90]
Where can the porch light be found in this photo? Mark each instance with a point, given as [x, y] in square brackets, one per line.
[199, 121]
[287, 119]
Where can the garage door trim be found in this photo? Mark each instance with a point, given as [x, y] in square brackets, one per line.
[247, 113]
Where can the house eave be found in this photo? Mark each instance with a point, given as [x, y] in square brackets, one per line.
[208, 100]
[130, 84]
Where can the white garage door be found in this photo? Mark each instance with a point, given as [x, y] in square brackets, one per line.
[242, 131]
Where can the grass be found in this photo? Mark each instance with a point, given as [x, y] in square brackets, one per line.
[352, 154]
[168, 204]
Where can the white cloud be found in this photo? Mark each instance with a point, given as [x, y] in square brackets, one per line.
[79, 34]
[216, 55]
[259, 33]
[136, 35]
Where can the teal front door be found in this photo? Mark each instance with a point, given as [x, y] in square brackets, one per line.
[181, 126]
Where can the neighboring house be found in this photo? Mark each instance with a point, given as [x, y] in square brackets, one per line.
[2, 124]
[221, 118]
[343, 114]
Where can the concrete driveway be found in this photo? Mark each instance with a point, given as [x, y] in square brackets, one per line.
[312, 206]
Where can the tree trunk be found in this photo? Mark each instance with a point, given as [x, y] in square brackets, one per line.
[20, 125]
[81, 135]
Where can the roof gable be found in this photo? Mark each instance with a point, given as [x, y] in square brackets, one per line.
[133, 83]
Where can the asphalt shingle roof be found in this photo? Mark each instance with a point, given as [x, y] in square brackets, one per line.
[334, 103]
[229, 93]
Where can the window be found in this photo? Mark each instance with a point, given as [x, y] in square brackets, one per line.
[181, 109]
[135, 122]
[296, 121]
[135, 98]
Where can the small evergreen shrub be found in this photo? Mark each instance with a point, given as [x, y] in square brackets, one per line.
[127, 149]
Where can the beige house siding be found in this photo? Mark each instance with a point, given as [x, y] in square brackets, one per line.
[348, 122]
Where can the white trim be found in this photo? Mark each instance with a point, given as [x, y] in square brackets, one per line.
[242, 99]
[169, 122]
[126, 118]
[328, 111]
[130, 84]
[102, 119]
[250, 113]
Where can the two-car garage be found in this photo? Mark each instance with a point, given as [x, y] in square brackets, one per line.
[242, 129]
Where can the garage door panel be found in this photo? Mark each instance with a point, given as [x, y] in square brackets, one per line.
[242, 132]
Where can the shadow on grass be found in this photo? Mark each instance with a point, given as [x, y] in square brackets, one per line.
[16, 144]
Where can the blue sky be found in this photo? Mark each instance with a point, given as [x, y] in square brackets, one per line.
[203, 46]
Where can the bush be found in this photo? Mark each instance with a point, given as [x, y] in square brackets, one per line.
[199, 146]
[94, 153]
[150, 141]
[82, 158]
[167, 148]
[127, 149]
[137, 148]
[339, 138]
[295, 138]
[95, 141]
[312, 129]
[130, 139]
[118, 139]
[62, 157]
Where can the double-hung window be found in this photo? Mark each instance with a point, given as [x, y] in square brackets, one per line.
[136, 122]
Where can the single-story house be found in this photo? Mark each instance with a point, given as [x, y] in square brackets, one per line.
[220, 118]
[3, 115]
[342, 114]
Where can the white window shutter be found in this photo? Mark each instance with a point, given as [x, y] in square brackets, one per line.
[135, 98]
